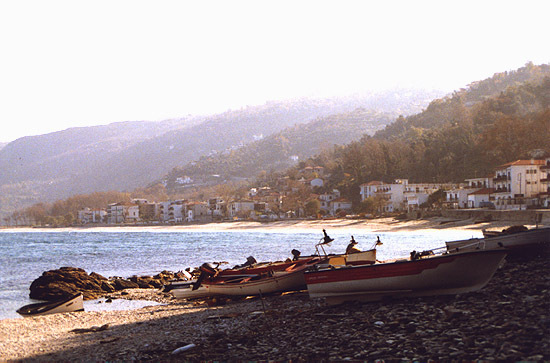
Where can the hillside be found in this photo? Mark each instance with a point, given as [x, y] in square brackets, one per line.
[455, 108]
[451, 141]
[283, 149]
[126, 155]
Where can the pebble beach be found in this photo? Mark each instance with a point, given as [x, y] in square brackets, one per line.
[509, 320]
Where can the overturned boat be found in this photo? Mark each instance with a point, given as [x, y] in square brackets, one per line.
[424, 274]
[70, 304]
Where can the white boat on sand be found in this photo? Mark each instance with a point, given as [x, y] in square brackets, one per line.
[425, 276]
[70, 304]
[511, 241]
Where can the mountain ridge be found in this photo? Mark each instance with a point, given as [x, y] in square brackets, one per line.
[126, 155]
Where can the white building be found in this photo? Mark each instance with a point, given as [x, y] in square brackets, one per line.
[457, 198]
[518, 184]
[88, 215]
[481, 198]
[196, 211]
[172, 211]
[242, 208]
[340, 204]
[115, 213]
[216, 207]
[327, 198]
[392, 194]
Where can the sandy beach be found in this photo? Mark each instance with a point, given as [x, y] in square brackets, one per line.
[301, 225]
[507, 320]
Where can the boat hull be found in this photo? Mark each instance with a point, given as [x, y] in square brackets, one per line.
[439, 275]
[280, 281]
[187, 292]
[71, 304]
[513, 242]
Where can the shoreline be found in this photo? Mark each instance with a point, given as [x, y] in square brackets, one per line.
[506, 320]
[388, 224]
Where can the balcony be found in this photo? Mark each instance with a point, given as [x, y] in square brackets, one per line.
[500, 178]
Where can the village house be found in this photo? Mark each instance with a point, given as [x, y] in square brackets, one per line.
[519, 184]
[327, 198]
[196, 212]
[122, 213]
[340, 205]
[172, 211]
[241, 209]
[481, 198]
[457, 198]
[87, 215]
[217, 207]
[400, 195]
[391, 195]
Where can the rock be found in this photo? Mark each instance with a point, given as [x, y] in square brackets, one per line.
[121, 284]
[64, 282]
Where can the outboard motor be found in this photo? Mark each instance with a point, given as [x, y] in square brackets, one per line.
[250, 260]
[206, 270]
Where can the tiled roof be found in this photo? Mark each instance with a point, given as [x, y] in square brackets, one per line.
[524, 162]
[483, 191]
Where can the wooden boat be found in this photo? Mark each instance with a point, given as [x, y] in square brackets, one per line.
[186, 291]
[70, 304]
[511, 241]
[352, 259]
[290, 279]
[419, 276]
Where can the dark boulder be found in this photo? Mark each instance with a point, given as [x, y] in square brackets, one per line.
[64, 282]
[144, 282]
[121, 284]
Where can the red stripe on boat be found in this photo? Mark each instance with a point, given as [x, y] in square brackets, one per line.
[405, 268]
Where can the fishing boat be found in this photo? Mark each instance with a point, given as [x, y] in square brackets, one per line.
[72, 303]
[514, 240]
[423, 274]
[186, 291]
[289, 279]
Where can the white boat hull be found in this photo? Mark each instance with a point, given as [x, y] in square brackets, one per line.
[279, 282]
[439, 275]
[186, 292]
[74, 303]
[513, 241]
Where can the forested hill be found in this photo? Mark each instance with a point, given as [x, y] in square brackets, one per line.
[456, 107]
[126, 155]
[283, 149]
[450, 140]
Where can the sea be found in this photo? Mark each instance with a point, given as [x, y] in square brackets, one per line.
[24, 256]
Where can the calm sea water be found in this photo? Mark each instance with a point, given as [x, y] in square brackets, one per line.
[25, 255]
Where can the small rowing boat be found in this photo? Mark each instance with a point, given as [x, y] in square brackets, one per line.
[72, 303]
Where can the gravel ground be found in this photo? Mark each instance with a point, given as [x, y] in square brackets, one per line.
[507, 320]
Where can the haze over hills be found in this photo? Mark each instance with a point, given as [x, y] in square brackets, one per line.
[283, 149]
[125, 155]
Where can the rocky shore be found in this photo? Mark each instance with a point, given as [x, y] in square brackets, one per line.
[507, 320]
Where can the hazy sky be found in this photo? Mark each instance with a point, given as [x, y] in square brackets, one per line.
[75, 63]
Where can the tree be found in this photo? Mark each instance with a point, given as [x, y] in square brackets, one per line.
[313, 207]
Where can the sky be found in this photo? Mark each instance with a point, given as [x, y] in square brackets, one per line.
[81, 63]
